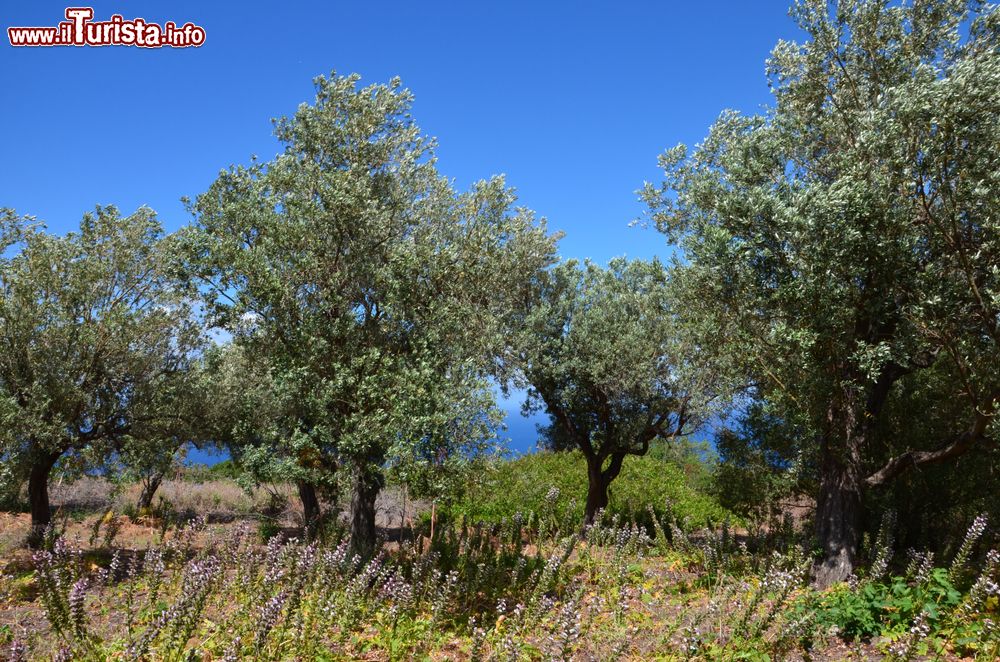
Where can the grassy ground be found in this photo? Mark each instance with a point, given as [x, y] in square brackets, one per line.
[606, 601]
[645, 484]
[526, 586]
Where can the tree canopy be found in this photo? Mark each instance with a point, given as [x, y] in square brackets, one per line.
[376, 294]
[609, 359]
[97, 344]
[851, 235]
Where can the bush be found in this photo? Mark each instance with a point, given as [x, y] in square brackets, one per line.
[10, 488]
[876, 608]
[224, 469]
[515, 486]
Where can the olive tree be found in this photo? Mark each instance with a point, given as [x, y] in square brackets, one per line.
[375, 293]
[262, 418]
[609, 358]
[153, 450]
[851, 234]
[94, 336]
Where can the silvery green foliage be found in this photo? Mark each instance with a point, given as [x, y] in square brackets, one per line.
[10, 483]
[848, 237]
[606, 355]
[367, 293]
[98, 342]
[611, 359]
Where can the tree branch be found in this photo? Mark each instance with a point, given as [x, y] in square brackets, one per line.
[614, 468]
[948, 450]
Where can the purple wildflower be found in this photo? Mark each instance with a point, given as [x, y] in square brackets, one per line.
[78, 615]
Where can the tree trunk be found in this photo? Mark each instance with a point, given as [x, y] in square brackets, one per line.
[149, 486]
[598, 481]
[597, 491]
[838, 506]
[38, 498]
[310, 504]
[838, 523]
[367, 485]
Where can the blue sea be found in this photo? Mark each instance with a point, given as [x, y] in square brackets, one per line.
[521, 436]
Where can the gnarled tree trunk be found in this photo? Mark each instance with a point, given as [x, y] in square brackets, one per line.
[311, 512]
[150, 484]
[368, 482]
[839, 503]
[838, 521]
[38, 497]
[598, 481]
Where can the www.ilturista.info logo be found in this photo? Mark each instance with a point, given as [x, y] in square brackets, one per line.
[80, 30]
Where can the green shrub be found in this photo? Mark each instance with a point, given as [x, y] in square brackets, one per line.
[224, 469]
[877, 608]
[520, 485]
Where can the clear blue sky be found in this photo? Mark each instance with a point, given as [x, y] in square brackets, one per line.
[573, 101]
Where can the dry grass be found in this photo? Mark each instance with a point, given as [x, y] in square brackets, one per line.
[222, 499]
[78, 505]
